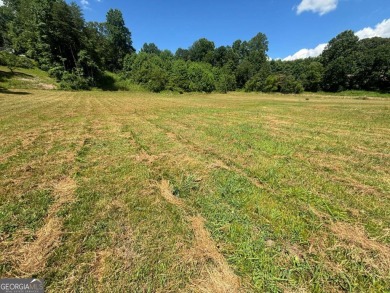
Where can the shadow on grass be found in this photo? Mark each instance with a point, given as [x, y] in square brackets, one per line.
[9, 75]
[8, 92]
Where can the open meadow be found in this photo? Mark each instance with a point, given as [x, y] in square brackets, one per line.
[141, 192]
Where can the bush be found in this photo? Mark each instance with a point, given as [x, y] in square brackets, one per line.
[24, 62]
[11, 61]
[75, 81]
[272, 84]
[255, 84]
[285, 84]
[179, 79]
[225, 80]
[289, 85]
[57, 72]
[258, 81]
[201, 77]
[157, 80]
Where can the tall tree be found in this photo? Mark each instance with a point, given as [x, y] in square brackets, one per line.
[183, 54]
[150, 48]
[339, 60]
[66, 33]
[202, 50]
[119, 38]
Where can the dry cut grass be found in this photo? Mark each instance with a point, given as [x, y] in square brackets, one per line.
[137, 192]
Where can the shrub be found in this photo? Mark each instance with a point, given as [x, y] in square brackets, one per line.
[75, 81]
[56, 72]
[225, 80]
[289, 85]
[272, 84]
[24, 62]
[201, 77]
[157, 80]
[11, 60]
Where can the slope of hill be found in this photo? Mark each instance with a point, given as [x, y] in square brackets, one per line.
[22, 78]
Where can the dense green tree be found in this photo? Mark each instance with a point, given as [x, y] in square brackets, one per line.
[201, 77]
[28, 31]
[289, 85]
[96, 43]
[65, 33]
[257, 51]
[55, 35]
[202, 51]
[339, 60]
[252, 59]
[225, 79]
[119, 39]
[282, 83]
[272, 83]
[257, 81]
[6, 17]
[373, 64]
[312, 77]
[183, 54]
[240, 48]
[244, 72]
[179, 78]
[147, 70]
[343, 45]
[150, 48]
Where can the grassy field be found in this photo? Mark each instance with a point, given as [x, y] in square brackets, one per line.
[138, 192]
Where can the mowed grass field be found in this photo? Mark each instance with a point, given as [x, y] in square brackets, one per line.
[139, 192]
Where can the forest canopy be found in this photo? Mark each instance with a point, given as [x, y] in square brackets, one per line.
[54, 36]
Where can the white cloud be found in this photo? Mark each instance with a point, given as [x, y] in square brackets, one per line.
[381, 30]
[317, 6]
[306, 53]
[84, 3]
[1, 3]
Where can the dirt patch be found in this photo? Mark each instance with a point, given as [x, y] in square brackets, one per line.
[47, 86]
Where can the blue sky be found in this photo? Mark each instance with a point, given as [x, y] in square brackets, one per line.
[291, 25]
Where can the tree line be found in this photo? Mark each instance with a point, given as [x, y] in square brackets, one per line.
[54, 35]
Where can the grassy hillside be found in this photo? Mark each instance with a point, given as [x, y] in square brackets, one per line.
[23, 78]
[242, 192]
